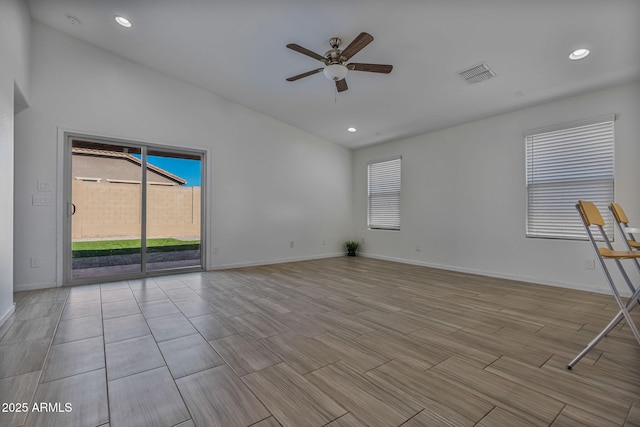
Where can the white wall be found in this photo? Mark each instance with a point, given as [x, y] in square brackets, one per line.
[464, 197]
[14, 73]
[271, 183]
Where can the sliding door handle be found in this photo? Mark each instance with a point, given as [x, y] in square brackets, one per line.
[72, 209]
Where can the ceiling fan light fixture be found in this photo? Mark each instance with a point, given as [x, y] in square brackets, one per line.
[335, 72]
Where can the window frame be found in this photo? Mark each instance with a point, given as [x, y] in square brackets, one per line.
[377, 225]
[571, 227]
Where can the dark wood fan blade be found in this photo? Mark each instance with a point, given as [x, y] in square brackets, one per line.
[307, 52]
[357, 45]
[372, 68]
[308, 73]
[341, 85]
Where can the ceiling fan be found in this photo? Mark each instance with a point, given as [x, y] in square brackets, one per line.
[335, 61]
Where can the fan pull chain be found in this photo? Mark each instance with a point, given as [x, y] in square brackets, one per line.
[335, 94]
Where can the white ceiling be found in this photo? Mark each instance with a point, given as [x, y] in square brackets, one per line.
[236, 49]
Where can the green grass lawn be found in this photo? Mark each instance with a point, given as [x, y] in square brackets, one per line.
[122, 247]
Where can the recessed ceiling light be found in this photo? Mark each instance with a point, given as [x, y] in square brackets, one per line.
[579, 54]
[352, 129]
[123, 21]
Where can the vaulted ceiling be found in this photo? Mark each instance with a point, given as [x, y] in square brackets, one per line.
[236, 49]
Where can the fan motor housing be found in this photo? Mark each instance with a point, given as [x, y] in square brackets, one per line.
[334, 56]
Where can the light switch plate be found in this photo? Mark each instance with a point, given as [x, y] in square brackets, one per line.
[44, 186]
[41, 200]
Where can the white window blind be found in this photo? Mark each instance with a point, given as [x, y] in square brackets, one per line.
[384, 194]
[565, 165]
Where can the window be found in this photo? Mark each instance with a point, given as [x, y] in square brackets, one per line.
[384, 194]
[566, 164]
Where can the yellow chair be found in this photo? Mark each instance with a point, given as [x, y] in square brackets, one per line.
[592, 219]
[623, 226]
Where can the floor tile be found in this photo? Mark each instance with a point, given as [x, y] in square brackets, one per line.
[352, 352]
[195, 307]
[301, 353]
[180, 294]
[365, 400]
[393, 321]
[170, 327]
[349, 420]
[122, 328]
[149, 398]
[78, 329]
[28, 330]
[81, 309]
[87, 394]
[23, 357]
[345, 324]
[74, 358]
[6, 325]
[120, 309]
[111, 286]
[37, 310]
[83, 294]
[142, 284]
[169, 283]
[149, 294]
[230, 306]
[158, 308]
[291, 398]
[188, 355]
[405, 348]
[17, 389]
[301, 324]
[500, 417]
[431, 392]
[268, 422]
[261, 325]
[40, 296]
[245, 354]
[213, 295]
[216, 397]
[132, 356]
[214, 326]
[117, 295]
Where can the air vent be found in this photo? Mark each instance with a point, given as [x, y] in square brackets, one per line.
[477, 73]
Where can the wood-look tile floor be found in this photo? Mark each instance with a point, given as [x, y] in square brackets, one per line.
[334, 342]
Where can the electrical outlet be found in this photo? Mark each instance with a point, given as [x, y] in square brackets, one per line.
[362, 241]
[291, 244]
[35, 261]
[324, 243]
[417, 248]
[216, 251]
[590, 264]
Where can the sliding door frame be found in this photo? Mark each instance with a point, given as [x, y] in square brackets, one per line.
[65, 207]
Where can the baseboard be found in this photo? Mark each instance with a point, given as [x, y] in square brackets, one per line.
[271, 261]
[7, 314]
[33, 286]
[497, 275]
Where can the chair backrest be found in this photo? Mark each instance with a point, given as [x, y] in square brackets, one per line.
[623, 222]
[590, 213]
[619, 214]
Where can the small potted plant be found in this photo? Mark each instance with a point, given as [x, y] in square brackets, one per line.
[352, 247]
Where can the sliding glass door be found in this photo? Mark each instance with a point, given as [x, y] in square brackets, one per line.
[173, 211]
[132, 210]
